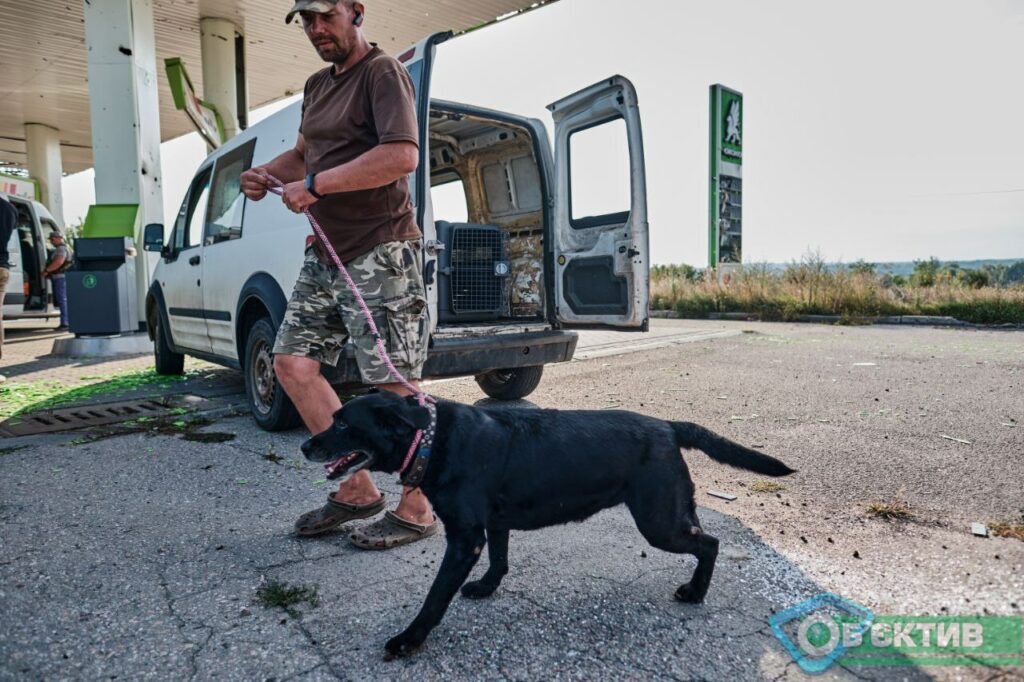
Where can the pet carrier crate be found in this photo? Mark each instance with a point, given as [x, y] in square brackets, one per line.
[474, 272]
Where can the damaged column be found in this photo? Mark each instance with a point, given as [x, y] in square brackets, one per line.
[125, 129]
[224, 87]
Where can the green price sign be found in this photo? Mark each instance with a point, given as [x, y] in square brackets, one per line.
[89, 281]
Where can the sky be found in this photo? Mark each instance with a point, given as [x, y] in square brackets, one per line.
[876, 130]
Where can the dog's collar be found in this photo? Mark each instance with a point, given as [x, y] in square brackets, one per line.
[412, 474]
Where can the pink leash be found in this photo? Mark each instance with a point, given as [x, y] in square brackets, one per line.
[277, 187]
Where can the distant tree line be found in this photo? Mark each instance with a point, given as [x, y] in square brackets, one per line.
[926, 273]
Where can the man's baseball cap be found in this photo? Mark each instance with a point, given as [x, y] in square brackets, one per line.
[56, 233]
[316, 6]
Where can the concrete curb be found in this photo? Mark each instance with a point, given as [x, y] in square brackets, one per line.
[916, 320]
[103, 346]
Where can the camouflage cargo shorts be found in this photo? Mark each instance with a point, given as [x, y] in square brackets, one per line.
[322, 313]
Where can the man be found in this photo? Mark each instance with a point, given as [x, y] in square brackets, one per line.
[357, 144]
[8, 220]
[58, 261]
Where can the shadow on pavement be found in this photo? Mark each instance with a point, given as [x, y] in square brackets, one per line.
[141, 558]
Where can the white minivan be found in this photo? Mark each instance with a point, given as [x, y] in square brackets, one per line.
[507, 273]
[28, 293]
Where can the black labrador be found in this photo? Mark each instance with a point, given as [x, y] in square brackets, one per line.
[493, 470]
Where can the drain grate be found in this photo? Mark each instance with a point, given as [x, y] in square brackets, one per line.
[75, 418]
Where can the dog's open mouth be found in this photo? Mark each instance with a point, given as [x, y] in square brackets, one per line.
[353, 461]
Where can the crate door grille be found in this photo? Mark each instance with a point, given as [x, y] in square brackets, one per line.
[475, 286]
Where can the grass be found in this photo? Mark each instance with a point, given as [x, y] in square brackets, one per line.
[811, 287]
[766, 487]
[1007, 530]
[889, 511]
[279, 594]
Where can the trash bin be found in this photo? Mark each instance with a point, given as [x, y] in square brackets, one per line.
[102, 294]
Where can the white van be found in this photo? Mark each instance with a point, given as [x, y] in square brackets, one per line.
[504, 279]
[28, 292]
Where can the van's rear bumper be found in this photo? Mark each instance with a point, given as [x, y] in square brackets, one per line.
[475, 355]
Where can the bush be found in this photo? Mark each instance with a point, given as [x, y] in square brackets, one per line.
[925, 272]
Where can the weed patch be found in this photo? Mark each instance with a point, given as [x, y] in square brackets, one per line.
[279, 594]
[766, 487]
[889, 511]
[1007, 530]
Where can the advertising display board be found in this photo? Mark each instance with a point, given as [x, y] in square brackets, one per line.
[725, 196]
[204, 116]
[26, 188]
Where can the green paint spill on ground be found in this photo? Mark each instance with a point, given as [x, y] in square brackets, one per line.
[31, 396]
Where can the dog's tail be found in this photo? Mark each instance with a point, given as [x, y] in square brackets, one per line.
[726, 451]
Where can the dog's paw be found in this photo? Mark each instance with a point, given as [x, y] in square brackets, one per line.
[688, 594]
[478, 589]
[400, 646]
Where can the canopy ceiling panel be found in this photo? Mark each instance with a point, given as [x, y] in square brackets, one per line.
[44, 71]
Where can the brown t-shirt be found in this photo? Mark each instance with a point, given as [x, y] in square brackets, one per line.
[343, 117]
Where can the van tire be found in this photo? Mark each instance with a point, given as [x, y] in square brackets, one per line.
[271, 407]
[510, 384]
[168, 363]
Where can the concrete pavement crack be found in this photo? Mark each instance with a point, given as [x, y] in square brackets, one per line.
[336, 674]
[785, 671]
[194, 654]
[302, 672]
[181, 624]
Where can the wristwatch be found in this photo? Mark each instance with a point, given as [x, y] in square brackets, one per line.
[311, 187]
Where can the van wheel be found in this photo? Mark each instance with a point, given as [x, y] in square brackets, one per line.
[270, 405]
[510, 384]
[167, 361]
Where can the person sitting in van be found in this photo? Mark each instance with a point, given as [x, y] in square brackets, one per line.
[8, 219]
[357, 144]
[57, 263]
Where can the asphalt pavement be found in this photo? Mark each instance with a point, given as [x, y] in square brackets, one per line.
[141, 557]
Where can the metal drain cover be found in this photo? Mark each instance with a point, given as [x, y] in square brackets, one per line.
[74, 418]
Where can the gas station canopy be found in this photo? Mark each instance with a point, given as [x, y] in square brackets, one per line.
[44, 64]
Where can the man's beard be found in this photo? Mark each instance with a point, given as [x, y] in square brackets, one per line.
[332, 52]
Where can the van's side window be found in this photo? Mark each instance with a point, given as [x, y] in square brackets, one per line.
[599, 197]
[188, 228]
[227, 203]
[49, 227]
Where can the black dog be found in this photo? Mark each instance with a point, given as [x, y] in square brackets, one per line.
[492, 470]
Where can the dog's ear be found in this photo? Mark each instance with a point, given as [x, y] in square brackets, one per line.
[412, 414]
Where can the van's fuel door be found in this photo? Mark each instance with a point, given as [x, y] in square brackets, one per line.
[600, 247]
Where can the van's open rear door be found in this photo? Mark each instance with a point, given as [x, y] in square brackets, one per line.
[419, 61]
[601, 263]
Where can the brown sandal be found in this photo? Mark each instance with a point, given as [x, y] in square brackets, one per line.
[334, 514]
[391, 531]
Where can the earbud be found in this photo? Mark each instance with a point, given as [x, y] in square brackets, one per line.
[358, 20]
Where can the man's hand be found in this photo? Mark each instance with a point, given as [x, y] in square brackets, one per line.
[254, 183]
[296, 197]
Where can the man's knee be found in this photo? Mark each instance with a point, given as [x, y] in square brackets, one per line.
[293, 368]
